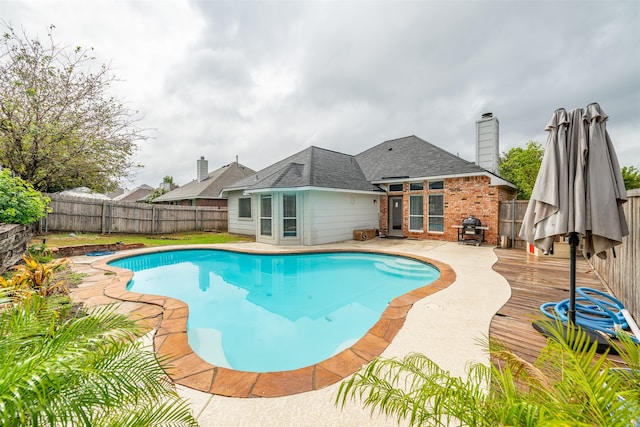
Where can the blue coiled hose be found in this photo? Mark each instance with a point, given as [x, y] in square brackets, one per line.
[595, 310]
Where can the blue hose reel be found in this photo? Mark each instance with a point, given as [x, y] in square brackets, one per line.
[595, 310]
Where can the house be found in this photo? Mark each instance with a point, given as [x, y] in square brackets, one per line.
[138, 194]
[205, 190]
[315, 196]
[405, 187]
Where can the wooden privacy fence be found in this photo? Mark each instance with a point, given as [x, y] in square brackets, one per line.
[622, 272]
[108, 216]
[510, 220]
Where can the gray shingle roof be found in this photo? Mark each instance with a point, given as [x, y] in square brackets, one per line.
[210, 187]
[412, 157]
[398, 159]
[312, 167]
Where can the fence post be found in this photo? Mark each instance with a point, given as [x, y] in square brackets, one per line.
[513, 223]
[110, 216]
[153, 219]
[103, 219]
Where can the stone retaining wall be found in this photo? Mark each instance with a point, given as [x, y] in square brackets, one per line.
[14, 242]
[67, 251]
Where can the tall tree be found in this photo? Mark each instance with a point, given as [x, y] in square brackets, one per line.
[521, 165]
[631, 177]
[59, 128]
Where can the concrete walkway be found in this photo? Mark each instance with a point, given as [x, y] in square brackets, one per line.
[445, 326]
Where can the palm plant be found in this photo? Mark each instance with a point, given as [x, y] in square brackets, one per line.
[83, 370]
[569, 384]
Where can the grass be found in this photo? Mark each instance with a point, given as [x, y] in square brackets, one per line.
[188, 238]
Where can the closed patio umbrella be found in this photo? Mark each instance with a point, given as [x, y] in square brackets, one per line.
[579, 190]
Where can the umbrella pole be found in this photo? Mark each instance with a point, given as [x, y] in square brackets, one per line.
[573, 244]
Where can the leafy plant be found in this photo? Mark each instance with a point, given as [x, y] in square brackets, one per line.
[34, 277]
[83, 370]
[569, 385]
[20, 203]
[40, 252]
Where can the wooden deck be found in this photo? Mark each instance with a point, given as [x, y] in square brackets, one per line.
[534, 280]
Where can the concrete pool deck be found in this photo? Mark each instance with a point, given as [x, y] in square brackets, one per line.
[445, 326]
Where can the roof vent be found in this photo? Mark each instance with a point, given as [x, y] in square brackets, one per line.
[487, 115]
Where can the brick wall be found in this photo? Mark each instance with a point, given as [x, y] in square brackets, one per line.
[463, 197]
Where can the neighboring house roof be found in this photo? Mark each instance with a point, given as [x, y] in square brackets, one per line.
[138, 194]
[117, 192]
[84, 192]
[313, 167]
[211, 186]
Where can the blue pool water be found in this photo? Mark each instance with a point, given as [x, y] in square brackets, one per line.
[264, 313]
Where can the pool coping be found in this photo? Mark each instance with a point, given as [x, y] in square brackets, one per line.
[186, 368]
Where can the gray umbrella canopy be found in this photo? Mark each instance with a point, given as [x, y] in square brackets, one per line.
[544, 219]
[579, 188]
[605, 223]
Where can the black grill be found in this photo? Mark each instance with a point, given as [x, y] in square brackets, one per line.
[471, 231]
[470, 225]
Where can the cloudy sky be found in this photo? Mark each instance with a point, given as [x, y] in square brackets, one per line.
[262, 80]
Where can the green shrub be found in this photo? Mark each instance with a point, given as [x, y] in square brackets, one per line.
[40, 252]
[20, 203]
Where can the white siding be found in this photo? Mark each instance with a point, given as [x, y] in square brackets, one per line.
[333, 216]
[488, 143]
[323, 217]
[240, 225]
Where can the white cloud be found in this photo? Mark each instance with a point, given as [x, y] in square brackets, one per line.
[263, 80]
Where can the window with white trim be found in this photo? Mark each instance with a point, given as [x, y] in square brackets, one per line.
[416, 213]
[244, 207]
[436, 213]
[265, 215]
[289, 218]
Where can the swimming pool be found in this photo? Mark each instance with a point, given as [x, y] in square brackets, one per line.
[276, 312]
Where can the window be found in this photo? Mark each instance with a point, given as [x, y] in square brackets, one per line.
[416, 213]
[436, 185]
[289, 219]
[265, 215]
[395, 187]
[436, 212]
[244, 207]
[416, 186]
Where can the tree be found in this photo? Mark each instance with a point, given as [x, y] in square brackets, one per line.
[631, 177]
[520, 166]
[568, 385]
[20, 203]
[87, 369]
[59, 128]
[166, 185]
